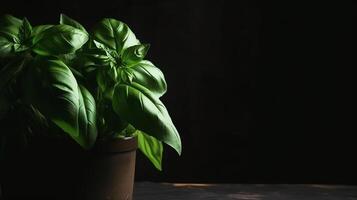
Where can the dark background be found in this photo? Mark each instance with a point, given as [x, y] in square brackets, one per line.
[256, 89]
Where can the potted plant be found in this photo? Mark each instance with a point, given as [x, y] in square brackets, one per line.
[61, 82]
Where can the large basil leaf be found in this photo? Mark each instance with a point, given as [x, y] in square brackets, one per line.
[87, 118]
[71, 22]
[53, 90]
[145, 112]
[114, 34]
[146, 74]
[59, 39]
[151, 148]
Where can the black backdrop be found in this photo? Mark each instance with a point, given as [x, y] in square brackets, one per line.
[253, 86]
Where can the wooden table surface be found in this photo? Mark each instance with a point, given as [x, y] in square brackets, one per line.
[170, 191]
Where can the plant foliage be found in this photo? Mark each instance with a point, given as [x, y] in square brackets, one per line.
[91, 85]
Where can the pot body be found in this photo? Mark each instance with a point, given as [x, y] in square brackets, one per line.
[60, 170]
[110, 175]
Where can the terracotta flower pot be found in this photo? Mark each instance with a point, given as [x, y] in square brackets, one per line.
[110, 175]
[56, 170]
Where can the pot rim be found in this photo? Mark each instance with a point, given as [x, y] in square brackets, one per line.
[116, 145]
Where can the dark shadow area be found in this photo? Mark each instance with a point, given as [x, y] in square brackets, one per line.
[254, 87]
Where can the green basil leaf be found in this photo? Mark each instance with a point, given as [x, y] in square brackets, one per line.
[135, 54]
[9, 31]
[113, 74]
[59, 39]
[10, 24]
[87, 118]
[111, 55]
[110, 124]
[129, 131]
[101, 80]
[125, 75]
[93, 57]
[105, 82]
[39, 29]
[53, 90]
[68, 58]
[138, 106]
[25, 31]
[151, 148]
[114, 34]
[15, 35]
[6, 46]
[71, 22]
[146, 74]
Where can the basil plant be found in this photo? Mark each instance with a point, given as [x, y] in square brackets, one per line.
[86, 85]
